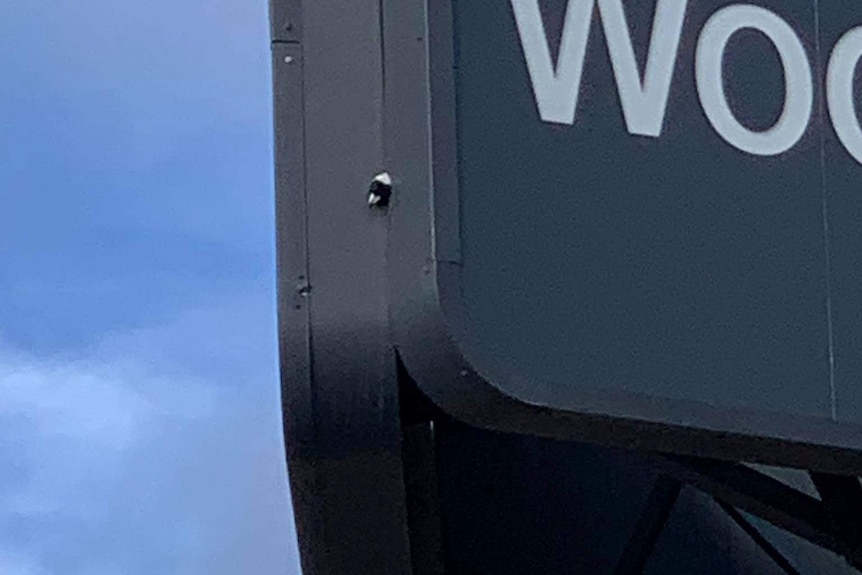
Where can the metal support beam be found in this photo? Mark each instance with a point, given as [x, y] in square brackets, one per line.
[423, 510]
[768, 498]
[649, 527]
[339, 379]
[759, 539]
[842, 498]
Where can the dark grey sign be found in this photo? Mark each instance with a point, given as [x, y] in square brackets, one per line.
[632, 222]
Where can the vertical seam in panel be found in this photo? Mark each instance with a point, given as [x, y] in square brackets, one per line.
[382, 132]
[833, 401]
[429, 111]
[307, 244]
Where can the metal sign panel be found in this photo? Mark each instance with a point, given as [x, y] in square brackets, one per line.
[636, 223]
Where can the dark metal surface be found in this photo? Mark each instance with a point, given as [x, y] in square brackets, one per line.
[674, 267]
[339, 380]
[758, 538]
[649, 526]
[382, 481]
[701, 538]
[285, 20]
[768, 498]
[726, 365]
[804, 555]
[520, 505]
[844, 210]
[514, 505]
[842, 497]
[423, 507]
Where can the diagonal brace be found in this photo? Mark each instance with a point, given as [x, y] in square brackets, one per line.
[649, 527]
[765, 497]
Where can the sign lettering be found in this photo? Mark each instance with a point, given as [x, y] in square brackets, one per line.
[556, 85]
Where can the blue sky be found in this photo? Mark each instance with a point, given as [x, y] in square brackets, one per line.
[139, 408]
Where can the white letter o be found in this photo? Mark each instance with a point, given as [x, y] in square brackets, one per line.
[799, 91]
[839, 91]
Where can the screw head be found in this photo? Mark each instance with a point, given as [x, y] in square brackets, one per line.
[288, 59]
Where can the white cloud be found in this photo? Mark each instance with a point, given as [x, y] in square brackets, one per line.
[132, 460]
[228, 338]
[78, 420]
[156, 449]
[90, 402]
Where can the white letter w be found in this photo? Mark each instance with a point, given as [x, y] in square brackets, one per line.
[556, 87]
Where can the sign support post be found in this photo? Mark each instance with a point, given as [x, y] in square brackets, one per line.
[339, 381]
